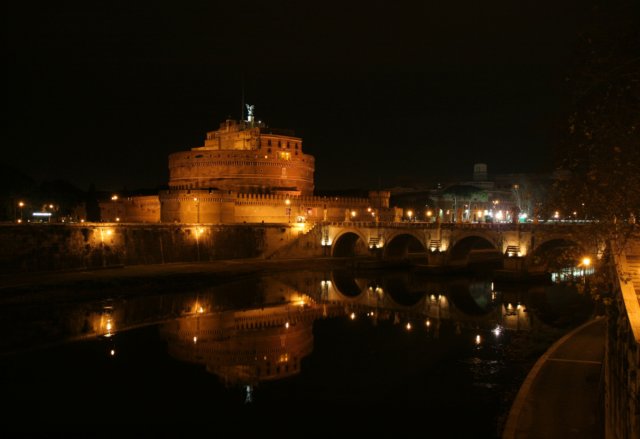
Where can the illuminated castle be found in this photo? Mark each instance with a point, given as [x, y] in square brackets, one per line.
[245, 172]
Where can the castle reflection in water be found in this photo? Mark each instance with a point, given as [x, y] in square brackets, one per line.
[260, 329]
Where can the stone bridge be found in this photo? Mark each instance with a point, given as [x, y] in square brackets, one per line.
[459, 244]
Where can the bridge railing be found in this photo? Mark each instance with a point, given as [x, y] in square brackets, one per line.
[450, 226]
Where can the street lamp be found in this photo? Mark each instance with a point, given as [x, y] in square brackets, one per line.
[410, 214]
[288, 204]
[586, 262]
[21, 205]
[197, 209]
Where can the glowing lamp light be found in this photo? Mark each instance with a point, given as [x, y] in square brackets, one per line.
[478, 339]
[195, 340]
[286, 325]
[352, 316]
[408, 326]
[428, 323]
[112, 352]
[586, 261]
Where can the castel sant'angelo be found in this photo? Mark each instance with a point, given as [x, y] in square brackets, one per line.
[245, 172]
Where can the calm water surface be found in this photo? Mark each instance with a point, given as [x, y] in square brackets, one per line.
[307, 353]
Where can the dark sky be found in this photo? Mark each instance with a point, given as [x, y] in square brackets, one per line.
[102, 92]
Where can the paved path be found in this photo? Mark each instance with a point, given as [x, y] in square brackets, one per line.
[560, 398]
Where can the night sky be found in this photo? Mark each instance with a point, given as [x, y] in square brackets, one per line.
[382, 92]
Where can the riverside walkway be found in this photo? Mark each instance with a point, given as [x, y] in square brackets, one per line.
[560, 398]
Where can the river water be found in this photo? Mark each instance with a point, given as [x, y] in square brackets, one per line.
[307, 353]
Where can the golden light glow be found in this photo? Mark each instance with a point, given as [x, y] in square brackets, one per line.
[195, 340]
[114, 197]
[352, 316]
[112, 352]
[428, 323]
[353, 214]
[117, 218]
[108, 328]
[586, 261]
[478, 339]
[287, 202]
[21, 204]
[286, 325]
[408, 326]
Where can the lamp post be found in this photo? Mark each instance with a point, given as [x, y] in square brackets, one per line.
[21, 205]
[287, 202]
[409, 214]
[586, 262]
[195, 199]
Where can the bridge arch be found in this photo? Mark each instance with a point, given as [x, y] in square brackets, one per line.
[472, 299]
[346, 284]
[349, 243]
[464, 246]
[402, 245]
[557, 252]
[400, 293]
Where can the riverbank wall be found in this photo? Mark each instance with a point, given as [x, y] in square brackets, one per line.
[52, 247]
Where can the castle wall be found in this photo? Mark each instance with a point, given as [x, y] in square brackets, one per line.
[219, 207]
[242, 171]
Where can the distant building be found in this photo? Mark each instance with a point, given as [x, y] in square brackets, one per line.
[245, 172]
[484, 198]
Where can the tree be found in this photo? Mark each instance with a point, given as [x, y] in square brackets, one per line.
[599, 157]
